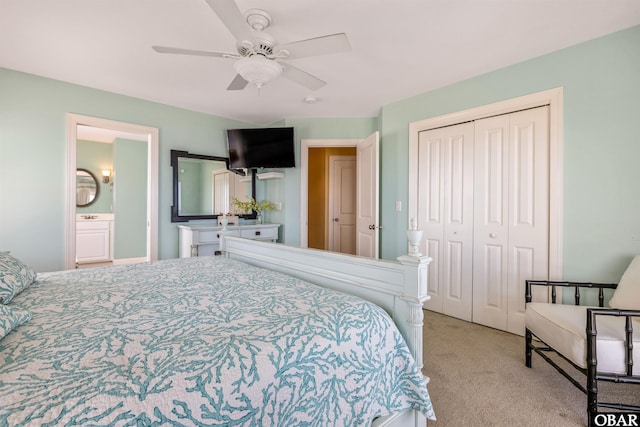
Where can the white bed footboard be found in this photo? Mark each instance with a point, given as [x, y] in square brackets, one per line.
[398, 287]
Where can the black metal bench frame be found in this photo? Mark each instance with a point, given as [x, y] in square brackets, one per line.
[591, 372]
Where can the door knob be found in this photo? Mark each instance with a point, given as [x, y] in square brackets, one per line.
[493, 235]
[336, 219]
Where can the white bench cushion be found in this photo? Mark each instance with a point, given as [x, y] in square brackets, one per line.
[563, 327]
[627, 294]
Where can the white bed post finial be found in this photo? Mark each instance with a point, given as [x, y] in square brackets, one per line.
[415, 237]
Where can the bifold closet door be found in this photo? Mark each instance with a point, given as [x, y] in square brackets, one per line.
[445, 213]
[511, 214]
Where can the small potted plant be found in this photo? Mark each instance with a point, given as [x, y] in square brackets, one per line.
[254, 205]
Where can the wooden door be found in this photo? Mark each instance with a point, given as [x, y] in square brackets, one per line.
[342, 206]
[367, 196]
[445, 213]
[511, 214]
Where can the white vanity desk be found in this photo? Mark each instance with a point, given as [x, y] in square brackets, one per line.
[94, 238]
[203, 240]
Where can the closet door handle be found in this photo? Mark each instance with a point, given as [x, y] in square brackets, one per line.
[493, 235]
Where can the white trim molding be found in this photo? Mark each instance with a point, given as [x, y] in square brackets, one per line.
[152, 137]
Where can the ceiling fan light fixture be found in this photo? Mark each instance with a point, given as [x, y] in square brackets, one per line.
[259, 56]
[257, 69]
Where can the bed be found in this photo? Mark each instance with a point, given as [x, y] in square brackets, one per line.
[221, 341]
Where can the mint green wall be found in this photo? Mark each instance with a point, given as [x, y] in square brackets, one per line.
[601, 149]
[601, 81]
[130, 194]
[33, 146]
[94, 157]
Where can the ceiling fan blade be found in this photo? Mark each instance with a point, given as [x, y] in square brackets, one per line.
[301, 77]
[180, 51]
[324, 45]
[238, 83]
[231, 17]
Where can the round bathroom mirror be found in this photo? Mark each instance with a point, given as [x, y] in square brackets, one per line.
[86, 188]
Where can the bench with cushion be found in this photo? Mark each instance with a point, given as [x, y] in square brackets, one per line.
[599, 342]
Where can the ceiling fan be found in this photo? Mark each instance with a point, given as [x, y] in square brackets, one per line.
[259, 58]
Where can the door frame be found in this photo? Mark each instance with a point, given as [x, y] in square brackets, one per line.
[554, 99]
[305, 144]
[73, 120]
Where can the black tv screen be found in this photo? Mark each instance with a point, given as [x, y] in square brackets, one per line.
[261, 148]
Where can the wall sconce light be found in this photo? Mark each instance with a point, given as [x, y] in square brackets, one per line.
[106, 174]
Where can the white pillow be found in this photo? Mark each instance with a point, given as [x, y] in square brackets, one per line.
[627, 294]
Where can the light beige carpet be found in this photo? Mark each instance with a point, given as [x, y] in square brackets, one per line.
[478, 378]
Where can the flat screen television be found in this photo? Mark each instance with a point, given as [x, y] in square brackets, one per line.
[261, 148]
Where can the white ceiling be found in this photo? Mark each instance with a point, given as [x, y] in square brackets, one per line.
[400, 48]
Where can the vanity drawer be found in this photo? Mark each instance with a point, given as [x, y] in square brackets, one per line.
[209, 236]
[212, 236]
[261, 233]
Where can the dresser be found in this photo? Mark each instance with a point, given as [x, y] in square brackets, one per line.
[203, 240]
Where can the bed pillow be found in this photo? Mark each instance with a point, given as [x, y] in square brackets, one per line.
[11, 318]
[14, 277]
[627, 294]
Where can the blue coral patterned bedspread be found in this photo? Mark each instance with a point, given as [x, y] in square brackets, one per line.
[201, 341]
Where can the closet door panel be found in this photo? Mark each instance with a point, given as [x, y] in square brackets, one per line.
[457, 270]
[430, 210]
[455, 183]
[529, 208]
[522, 266]
[491, 205]
[493, 297]
[483, 202]
[453, 269]
[434, 285]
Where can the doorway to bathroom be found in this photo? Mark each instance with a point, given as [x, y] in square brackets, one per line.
[121, 225]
